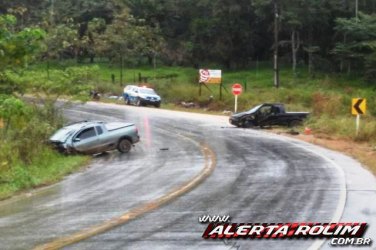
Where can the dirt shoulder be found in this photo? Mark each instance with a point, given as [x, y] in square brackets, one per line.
[363, 152]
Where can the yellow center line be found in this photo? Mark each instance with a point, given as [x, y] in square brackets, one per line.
[210, 163]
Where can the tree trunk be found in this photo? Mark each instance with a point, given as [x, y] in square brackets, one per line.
[276, 69]
[348, 67]
[48, 69]
[342, 59]
[155, 61]
[150, 60]
[310, 52]
[121, 70]
[295, 43]
[310, 63]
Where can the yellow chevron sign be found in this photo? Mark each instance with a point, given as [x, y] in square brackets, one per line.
[358, 106]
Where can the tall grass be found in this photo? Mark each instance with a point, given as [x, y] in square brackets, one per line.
[26, 159]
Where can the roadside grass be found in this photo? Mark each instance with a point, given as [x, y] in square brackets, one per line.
[26, 159]
[48, 168]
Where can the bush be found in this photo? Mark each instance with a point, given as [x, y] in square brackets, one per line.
[25, 132]
[329, 104]
[26, 160]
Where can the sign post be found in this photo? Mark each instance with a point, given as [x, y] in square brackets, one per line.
[358, 108]
[236, 90]
[236, 103]
[357, 123]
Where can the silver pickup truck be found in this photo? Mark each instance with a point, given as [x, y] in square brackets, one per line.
[92, 137]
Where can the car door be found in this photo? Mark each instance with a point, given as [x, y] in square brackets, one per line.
[133, 94]
[274, 118]
[86, 141]
[263, 115]
[105, 141]
[126, 93]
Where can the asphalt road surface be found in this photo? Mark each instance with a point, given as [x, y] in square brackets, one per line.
[258, 178]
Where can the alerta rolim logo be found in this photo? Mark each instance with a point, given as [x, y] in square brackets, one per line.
[340, 233]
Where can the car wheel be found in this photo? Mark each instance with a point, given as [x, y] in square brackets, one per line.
[294, 123]
[245, 123]
[138, 102]
[124, 146]
[157, 105]
[127, 101]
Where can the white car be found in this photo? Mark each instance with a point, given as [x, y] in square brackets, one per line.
[141, 96]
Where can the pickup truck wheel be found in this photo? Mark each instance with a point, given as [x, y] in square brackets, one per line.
[127, 101]
[294, 123]
[124, 146]
[245, 123]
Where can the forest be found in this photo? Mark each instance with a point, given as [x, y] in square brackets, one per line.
[323, 35]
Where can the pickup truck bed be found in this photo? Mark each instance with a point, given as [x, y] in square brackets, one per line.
[117, 125]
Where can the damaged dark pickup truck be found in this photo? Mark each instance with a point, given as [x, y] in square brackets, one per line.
[267, 114]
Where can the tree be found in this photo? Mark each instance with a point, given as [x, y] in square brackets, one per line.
[17, 49]
[360, 45]
[61, 42]
[293, 23]
[95, 30]
[276, 10]
[10, 107]
[128, 37]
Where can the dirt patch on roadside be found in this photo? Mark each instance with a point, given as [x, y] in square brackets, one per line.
[363, 152]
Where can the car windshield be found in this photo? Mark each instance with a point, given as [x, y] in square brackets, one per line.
[254, 109]
[147, 91]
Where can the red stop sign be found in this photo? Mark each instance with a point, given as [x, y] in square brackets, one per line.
[237, 89]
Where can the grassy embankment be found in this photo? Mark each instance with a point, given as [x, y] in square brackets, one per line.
[326, 96]
[26, 159]
[49, 168]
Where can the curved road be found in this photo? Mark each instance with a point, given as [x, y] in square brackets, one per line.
[257, 178]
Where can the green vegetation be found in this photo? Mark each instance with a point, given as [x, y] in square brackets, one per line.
[48, 168]
[26, 160]
[321, 35]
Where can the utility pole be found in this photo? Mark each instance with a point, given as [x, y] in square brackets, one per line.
[356, 9]
[276, 29]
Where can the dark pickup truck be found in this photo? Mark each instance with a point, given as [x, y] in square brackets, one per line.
[267, 114]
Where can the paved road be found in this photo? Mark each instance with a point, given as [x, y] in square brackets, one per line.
[257, 178]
